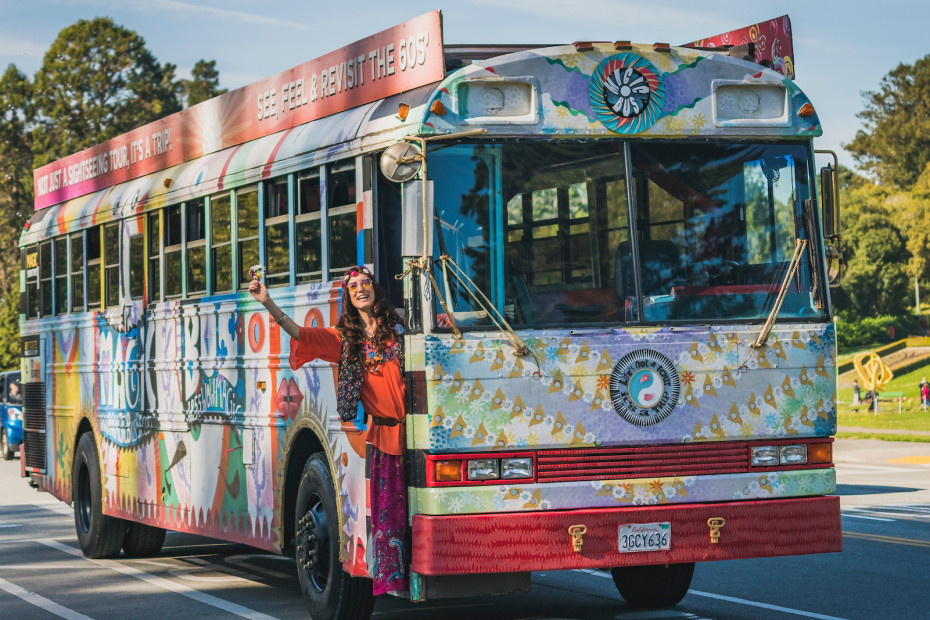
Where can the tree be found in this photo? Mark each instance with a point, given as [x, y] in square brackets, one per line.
[203, 84]
[97, 81]
[876, 280]
[10, 346]
[15, 171]
[895, 143]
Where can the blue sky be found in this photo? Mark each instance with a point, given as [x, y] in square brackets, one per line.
[842, 48]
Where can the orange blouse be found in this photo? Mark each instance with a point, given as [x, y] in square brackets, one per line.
[382, 390]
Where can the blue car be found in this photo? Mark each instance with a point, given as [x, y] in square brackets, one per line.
[11, 414]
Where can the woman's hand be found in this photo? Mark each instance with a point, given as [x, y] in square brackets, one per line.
[258, 291]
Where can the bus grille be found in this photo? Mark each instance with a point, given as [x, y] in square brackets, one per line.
[642, 462]
[34, 426]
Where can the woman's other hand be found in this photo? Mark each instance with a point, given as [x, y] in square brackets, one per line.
[258, 291]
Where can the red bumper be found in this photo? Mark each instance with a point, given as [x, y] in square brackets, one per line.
[533, 541]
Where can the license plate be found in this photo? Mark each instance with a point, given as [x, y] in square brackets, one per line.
[636, 537]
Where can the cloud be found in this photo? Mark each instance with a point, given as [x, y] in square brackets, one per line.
[176, 7]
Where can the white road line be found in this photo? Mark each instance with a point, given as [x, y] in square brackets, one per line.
[797, 612]
[40, 601]
[846, 514]
[161, 582]
[741, 601]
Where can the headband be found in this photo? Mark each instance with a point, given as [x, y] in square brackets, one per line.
[355, 272]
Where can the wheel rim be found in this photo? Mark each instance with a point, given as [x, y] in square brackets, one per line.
[313, 552]
[83, 508]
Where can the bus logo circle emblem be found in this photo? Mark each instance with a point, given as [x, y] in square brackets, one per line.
[644, 387]
[626, 93]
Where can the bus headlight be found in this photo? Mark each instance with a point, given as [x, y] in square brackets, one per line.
[793, 454]
[516, 468]
[483, 469]
[764, 456]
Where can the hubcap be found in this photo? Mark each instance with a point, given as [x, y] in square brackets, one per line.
[313, 544]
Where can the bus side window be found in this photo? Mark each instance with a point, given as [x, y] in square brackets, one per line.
[196, 247]
[154, 233]
[277, 247]
[136, 266]
[93, 267]
[247, 227]
[111, 264]
[45, 277]
[173, 245]
[61, 275]
[77, 272]
[340, 215]
[221, 242]
[30, 262]
[308, 226]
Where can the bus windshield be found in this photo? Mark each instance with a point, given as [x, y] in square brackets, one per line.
[546, 230]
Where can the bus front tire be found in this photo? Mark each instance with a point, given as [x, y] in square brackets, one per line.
[329, 591]
[100, 536]
[659, 585]
[5, 448]
[143, 541]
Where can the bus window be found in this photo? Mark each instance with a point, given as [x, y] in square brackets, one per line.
[173, 245]
[247, 226]
[61, 275]
[111, 264]
[277, 247]
[154, 233]
[341, 218]
[31, 264]
[93, 267]
[45, 277]
[309, 243]
[196, 247]
[136, 266]
[77, 272]
[221, 242]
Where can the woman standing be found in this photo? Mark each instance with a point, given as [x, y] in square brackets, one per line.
[367, 344]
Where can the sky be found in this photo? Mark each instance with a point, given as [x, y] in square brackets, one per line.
[842, 48]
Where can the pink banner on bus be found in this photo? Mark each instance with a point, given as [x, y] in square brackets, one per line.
[390, 62]
[771, 41]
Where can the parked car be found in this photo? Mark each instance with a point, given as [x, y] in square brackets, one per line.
[11, 414]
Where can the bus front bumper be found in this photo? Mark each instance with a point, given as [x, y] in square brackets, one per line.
[536, 541]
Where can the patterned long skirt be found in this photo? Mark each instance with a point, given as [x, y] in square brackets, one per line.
[388, 522]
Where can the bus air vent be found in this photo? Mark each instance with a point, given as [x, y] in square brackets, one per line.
[34, 426]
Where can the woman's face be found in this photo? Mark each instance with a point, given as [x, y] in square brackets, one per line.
[361, 292]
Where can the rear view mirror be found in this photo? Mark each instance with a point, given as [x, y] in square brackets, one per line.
[830, 200]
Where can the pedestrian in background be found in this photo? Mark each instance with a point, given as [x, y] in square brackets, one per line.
[855, 402]
[924, 394]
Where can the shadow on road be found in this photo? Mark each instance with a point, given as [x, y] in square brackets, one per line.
[868, 489]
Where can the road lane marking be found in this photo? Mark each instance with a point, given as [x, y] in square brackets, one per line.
[846, 514]
[911, 460]
[888, 539]
[161, 582]
[41, 602]
[787, 610]
[741, 601]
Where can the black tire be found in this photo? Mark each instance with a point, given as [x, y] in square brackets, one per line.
[5, 449]
[100, 536]
[330, 592]
[661, 585]
[143, 541]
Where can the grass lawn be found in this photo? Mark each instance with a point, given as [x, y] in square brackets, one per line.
[908, 385]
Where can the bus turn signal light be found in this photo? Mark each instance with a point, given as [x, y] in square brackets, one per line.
[806, 110]
[820, 453]
[448, 471]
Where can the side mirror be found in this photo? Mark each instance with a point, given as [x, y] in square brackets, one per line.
[830, 202]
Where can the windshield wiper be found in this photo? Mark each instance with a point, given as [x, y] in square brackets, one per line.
[799, 246]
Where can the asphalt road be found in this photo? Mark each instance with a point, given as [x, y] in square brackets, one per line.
[882, 572]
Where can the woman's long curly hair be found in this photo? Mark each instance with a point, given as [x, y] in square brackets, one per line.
[350, 321]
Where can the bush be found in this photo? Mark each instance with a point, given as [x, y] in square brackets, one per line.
[856, 332]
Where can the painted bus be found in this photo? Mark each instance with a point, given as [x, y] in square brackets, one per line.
[614, 263]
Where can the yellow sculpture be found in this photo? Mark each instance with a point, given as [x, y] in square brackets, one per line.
[874, 373]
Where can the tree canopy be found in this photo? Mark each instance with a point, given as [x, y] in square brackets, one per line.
[895, 142]
[97, 81]
[203, 85]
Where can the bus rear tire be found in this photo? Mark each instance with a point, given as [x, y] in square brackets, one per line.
[143, 541]
[329, 591]
[5, 448]
[100, 536]
[659, 585]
